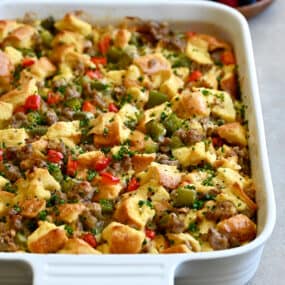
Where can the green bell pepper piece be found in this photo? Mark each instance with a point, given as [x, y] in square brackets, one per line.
[185, 196]
[156, 98]
[156, 130]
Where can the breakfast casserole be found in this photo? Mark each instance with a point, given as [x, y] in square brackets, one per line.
[120, 139]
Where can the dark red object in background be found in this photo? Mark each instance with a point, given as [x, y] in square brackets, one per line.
[236, 3]
[232, 3]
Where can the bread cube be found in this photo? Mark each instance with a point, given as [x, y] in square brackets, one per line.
[181, 72]
[78, 246]
[7, 26]
[47, 238]
[225, 107]
[116, 76]
[128, 112]
[184, 238]
[130, 211]
[209, 79]
[38, 184]
[14, 55]
[30, 208]
[70, 39]
[141, 161]
[64, 130]
[3, 182]
[109, 130]
[89, 158]
[18, 96]
[154, 114]
[122, 38]
[139, 96]
[197, 50]
[72, 23]
[122, 238]
[220, 102]
[152, 63]
[43, 68]
[107, 191]
[165, 175]
[229, 81]
[171, 86]
[13, 137]
[233, 133]
[69, 213]
[159, 242]
[229, 177]
[6, 199]
[6, 112]
[21, 37]
[190, 104]
[191, 155]
[6, 69]
[238, 228]
[179, 248]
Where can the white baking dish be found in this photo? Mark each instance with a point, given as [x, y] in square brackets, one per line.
[232, 266]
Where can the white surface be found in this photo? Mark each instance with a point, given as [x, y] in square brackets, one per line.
[229, 267]
[268, 33]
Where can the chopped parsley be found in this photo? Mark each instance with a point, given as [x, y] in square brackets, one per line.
[69, 230]
[91, 174]
[10, 188]
[193, 227]
[123, 151]
[148, 203]
[42, 215]
[106, 206]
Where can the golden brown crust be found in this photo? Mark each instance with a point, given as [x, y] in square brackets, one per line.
[233, 133]
[141, 161]
[123, 239]
[152, 63]
[20, 37]
[30, 208]
[51, 242]
[70, 212]
[78, 246]
[191, 104]
[238, 227]
[179, 248]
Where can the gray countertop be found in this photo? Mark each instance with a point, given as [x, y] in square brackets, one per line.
[268, 35]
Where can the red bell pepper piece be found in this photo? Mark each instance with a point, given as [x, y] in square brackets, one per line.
[194, 76]
[33, 102]
[217, 141]
[108, 178]
[90, 239]
[102, 163]
[133, 185]
[113, 108]
[99, 60]
[54, 156]
[228, 57]
[71, 166]
[53, 98]
[94, 74]
[150, 233]
[104, 44]
[26, 62]
[88, 107]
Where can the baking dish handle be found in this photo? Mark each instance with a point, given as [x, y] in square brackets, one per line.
[105, 270]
